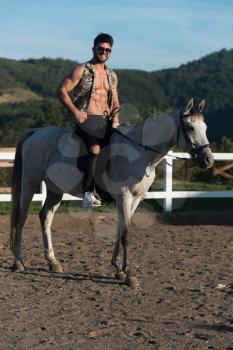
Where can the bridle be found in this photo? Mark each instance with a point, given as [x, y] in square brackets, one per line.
[193, 151]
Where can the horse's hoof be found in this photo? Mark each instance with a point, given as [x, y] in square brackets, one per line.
[55, 267]
[18, 266]
[132, 282]
[121, 275]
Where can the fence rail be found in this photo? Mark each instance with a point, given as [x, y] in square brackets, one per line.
[7, 155]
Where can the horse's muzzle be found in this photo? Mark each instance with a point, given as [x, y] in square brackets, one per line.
[205, 158]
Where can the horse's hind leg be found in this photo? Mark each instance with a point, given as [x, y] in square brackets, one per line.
[27, 193]
[46, 215]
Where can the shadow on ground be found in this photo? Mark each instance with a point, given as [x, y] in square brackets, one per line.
[196, 218]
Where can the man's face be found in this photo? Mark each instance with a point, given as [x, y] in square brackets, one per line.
[102, 52]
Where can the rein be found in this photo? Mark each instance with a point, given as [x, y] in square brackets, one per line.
[192, 150]
[147, 148]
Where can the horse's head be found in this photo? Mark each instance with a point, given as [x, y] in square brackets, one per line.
[192, 135]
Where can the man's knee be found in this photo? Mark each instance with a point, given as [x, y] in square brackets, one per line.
[95, 149]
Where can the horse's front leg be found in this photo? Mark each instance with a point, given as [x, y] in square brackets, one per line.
[120, 232]
[126, 234]
[119, 273]
[131, 279]
[124, 205]
[46, 217]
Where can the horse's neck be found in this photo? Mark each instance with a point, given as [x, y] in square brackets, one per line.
[160, 134]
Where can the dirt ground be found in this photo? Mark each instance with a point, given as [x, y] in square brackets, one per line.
[183, 262]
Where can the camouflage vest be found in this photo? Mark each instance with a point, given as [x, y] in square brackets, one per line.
[83, 90]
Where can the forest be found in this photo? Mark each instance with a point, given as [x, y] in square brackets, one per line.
[28, 93]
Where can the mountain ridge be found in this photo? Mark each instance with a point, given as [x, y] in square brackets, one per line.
[150, 93]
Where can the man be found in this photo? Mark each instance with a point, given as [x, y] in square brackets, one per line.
[95, 106]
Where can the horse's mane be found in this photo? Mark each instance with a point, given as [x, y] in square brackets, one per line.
[134, 129]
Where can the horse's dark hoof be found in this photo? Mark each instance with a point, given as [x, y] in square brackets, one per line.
[55, 266]
[121, 275]
[18, 266]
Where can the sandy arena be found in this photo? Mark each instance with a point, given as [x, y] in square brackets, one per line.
[183, 262]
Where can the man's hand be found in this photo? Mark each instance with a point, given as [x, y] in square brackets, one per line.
[80, 116]
[115, 124]
[115, 117]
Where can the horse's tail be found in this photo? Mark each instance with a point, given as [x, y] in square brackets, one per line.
[16, 187]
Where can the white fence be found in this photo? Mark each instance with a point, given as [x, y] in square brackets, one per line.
[167, 194]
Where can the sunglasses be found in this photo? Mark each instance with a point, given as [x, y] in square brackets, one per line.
[102, 50]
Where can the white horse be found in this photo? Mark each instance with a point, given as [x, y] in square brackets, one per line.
[126, 170]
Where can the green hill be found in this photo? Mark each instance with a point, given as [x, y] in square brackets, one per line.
[27, 92]
[41, 76]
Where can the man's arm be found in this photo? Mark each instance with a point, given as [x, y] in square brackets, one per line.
[67, 85]
[116, 107]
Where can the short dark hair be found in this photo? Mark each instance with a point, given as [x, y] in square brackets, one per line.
[103, 38]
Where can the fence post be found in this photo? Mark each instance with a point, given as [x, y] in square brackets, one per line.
[167, 184]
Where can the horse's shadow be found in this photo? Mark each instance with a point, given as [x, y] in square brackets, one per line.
[67, 276]
[222, 328]
[196, 218]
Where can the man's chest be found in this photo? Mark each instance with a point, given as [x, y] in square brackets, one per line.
[101, 81]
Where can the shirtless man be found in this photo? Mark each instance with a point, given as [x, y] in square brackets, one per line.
[95, 106]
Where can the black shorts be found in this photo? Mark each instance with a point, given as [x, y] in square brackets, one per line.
[95, 130]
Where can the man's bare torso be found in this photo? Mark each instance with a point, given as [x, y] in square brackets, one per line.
[99, 98]
[101, 102]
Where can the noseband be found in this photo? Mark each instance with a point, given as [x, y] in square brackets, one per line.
[193, 151]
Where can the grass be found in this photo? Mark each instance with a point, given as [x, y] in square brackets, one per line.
[194, 186]
[196, 204]
[17, 95]
[65, 207]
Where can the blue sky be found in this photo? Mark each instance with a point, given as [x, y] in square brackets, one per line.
[149, 34]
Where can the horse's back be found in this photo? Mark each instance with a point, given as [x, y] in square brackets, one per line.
[42, 145]
[50, 133]
[51, 154]
[45, 137]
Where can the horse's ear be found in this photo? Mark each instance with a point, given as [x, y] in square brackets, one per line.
[201, 106]
[188, 108]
